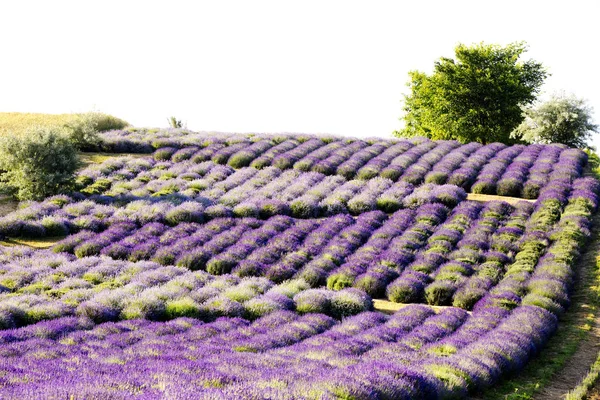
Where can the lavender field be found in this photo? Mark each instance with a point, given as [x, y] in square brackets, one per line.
[229, 266]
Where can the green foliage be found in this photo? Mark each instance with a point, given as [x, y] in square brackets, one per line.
[439, 293]
[37, 165]
[475, 98]
[402, 293]
[562, 119]
[259, 307]
[184, 307]
[339, 281]
[175, 123]
[349, 302]
[221, 265]
[83, 129]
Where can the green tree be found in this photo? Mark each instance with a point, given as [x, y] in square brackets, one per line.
[561, 119]
[175, 123]
[84, 128]
[36, 165]
[477, 97]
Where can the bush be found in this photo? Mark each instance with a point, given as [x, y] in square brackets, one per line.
[221, 264]
[83, 129]
[339, 281]
[313, 301]
[183, 307]
[194, 260]
[439, 293]
[97, 312]
[240, 160]
[223, 307]
[372, 283]
[185, 212]
[37, 165]
[246, 209]
[87, 249]
[144, 306]
[289, 288]
[266, 304]
[54, 226]
[349, 302]
[164, 153]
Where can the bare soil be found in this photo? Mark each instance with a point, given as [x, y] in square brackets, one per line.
[491, 197]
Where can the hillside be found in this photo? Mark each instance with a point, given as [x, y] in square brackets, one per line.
[252, 266]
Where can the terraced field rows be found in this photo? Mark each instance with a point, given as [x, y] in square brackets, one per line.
[244, 266]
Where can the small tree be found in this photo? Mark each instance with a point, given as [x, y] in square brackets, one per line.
[477, 97]
[36, 165]
[562, 119]
[83, 129]
[175, 123]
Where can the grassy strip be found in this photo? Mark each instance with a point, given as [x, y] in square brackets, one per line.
[98, 157]
[40, 243]
[581, 390]
[15, 123]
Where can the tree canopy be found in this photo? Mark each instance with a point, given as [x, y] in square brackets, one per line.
[41, 163]
[477, 97]
[561, 119]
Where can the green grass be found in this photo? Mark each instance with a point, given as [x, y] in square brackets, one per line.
[591, 379]
[15, 123]
[98, 158]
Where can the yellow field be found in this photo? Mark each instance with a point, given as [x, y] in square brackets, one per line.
[17, 123]
[41, 243]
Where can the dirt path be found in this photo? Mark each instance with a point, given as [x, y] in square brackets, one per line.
[388, 307]
[491, 197]
[578, 365]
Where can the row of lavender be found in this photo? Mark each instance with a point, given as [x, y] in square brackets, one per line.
[40, 285]
[211, 190]
[491, 169]
[462, 268]
[414, 354]
[429, 254]
[367, 252]
[248, 190]
[63, 215]
[517, 249]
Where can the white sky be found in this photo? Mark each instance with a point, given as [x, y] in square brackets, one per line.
[270, 66]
